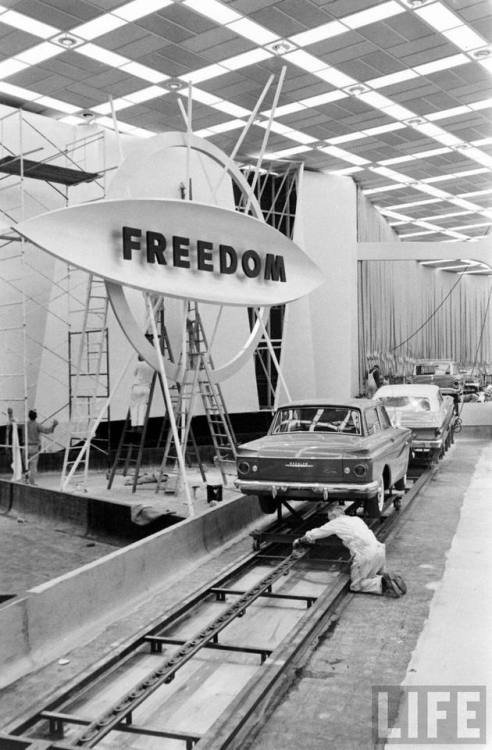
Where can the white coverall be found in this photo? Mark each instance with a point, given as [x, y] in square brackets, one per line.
[368, 555]
[140, 393]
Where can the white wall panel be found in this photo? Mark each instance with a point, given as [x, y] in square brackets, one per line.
[319, 355]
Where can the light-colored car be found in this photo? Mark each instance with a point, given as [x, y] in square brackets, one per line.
[442, 372]
[423, 409]
[326, 450]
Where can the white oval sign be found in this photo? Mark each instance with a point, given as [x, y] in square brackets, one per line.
[178, 248]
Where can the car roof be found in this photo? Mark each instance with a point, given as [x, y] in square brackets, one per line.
[355, 403]
[408, 389]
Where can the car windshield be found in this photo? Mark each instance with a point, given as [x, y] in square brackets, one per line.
[433, 368]
[317, 419]
[406, 403]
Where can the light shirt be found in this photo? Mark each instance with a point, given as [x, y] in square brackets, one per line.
[354, 533]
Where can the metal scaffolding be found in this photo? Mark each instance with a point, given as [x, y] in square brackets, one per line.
[40, 297]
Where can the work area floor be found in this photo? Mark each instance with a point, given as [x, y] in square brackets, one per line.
[376, 641]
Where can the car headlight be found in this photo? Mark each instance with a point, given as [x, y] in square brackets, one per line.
[243, 467]
[360, 470]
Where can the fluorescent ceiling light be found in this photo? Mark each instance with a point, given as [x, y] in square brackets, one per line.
[325, 31]
[40, 52]
[224, 127]
[335, 77]
[385, 188]
[48, 101]
[287, 152]
[416, 203]
[139, 8]
[144, 95]
[95, 52]
[475, 192]
[453, 112]
[246, 58]
[431, 190]
[384, 128]
[465, 227]
[252, 31]
[320, 99]
[204, 74]
[142, 71]
[371, 15]
[305, 61]
[346, 138]
[465, 38]
[231, 109]
[340, 153]
[344, 172]
[398, 112]
[417, 234]
[373, 99]
[214, 10]
[482, 104]
[107, 107]
[438, 16]
[392, 78]
[432, 152]
[296, 135]
[396, 160]
[449, 215]
[11, 66]
[203, 133]
[98, 26]
[392, 175]
[8, 88]
[29, 25]
[458, 175]
[443, 64]
[199, 95]
[480, 156]
[464, 204]
[285, 109]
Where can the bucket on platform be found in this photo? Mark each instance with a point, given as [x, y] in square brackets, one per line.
[214, 493]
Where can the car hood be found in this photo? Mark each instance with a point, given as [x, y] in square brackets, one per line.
[304, 444]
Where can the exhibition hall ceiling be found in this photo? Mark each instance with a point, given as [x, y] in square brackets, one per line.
[396, 94]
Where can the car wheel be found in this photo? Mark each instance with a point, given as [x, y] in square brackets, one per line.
[268, 504]
[401, 484]
[374, 505]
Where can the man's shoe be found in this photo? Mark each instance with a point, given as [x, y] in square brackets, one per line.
[393, 585]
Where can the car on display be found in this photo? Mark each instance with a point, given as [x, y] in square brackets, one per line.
[441, 372]
[326, 450]
[426, 412]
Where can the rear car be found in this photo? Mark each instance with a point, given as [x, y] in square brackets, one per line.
[426, 412]
[326, 450]
[441, 372]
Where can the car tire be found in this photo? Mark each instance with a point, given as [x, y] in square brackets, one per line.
[401, 484]
[268, 504]
[374, 505]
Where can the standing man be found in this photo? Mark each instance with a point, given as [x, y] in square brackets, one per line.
[140, 393]
[34, 432]
[368, 556]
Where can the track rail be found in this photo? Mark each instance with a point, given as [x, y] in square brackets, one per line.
[45, 728]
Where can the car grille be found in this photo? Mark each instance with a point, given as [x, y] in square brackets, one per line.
[299, 470]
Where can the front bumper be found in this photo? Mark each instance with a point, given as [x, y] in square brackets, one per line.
[316, 490]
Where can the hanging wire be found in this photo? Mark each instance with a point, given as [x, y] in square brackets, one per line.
[434, 312]
[479, 343]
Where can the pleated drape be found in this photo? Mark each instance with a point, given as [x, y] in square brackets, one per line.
[408, 311]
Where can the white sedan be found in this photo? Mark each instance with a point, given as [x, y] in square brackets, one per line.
[424, 410]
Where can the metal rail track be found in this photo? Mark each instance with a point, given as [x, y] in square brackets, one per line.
[45, 728]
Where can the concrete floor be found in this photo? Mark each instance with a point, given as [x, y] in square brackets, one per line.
[377, 641]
